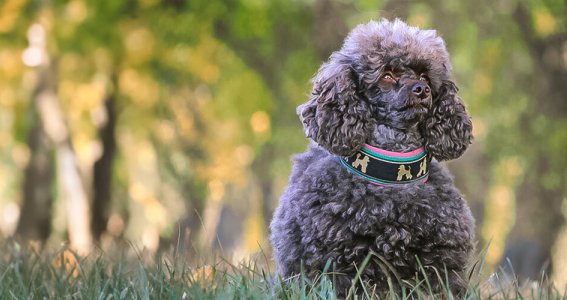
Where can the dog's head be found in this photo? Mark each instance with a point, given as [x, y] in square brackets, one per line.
[393, 74]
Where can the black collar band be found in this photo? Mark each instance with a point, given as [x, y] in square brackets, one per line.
[385, 167]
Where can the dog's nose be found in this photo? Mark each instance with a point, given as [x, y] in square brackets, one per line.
[421, 89]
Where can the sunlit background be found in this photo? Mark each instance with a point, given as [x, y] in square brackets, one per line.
[169, 124]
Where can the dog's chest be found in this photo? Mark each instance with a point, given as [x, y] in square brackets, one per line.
[381, 218]
[397, 226]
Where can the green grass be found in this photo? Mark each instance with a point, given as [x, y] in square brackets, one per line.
[61, 274]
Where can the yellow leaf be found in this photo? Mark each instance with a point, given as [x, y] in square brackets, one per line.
[260, 122]
[9, 13]
[204, 276]
[545, 24]
[66, 262]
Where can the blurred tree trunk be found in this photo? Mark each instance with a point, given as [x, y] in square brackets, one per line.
[188, 229]
[69, 179]
[76, 199]
[474, 161]
[102, 172]
[35, 217]
[261, 167]
[329, 28]
[52, 120]
[538, 221]
[539, 215]
[396, 9]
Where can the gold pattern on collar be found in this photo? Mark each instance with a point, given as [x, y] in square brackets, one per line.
[422, 168]
[404, 172]
[362, 162]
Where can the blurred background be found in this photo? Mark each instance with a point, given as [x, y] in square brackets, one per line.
[169, 124]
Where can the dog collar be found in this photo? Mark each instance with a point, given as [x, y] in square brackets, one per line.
[385, 167]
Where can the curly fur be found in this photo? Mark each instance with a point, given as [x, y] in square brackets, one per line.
[327, 213]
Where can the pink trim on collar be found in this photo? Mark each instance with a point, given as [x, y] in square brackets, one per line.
[395, 154]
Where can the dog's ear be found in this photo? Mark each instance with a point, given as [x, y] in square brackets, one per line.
[335, 116]
[448, 128]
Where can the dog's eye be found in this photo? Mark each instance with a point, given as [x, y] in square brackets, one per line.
[388, 76]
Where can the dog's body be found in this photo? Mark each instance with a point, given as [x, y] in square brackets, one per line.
[327, 213]
[388, 87]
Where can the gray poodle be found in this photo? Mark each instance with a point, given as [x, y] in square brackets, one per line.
[382, 113]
